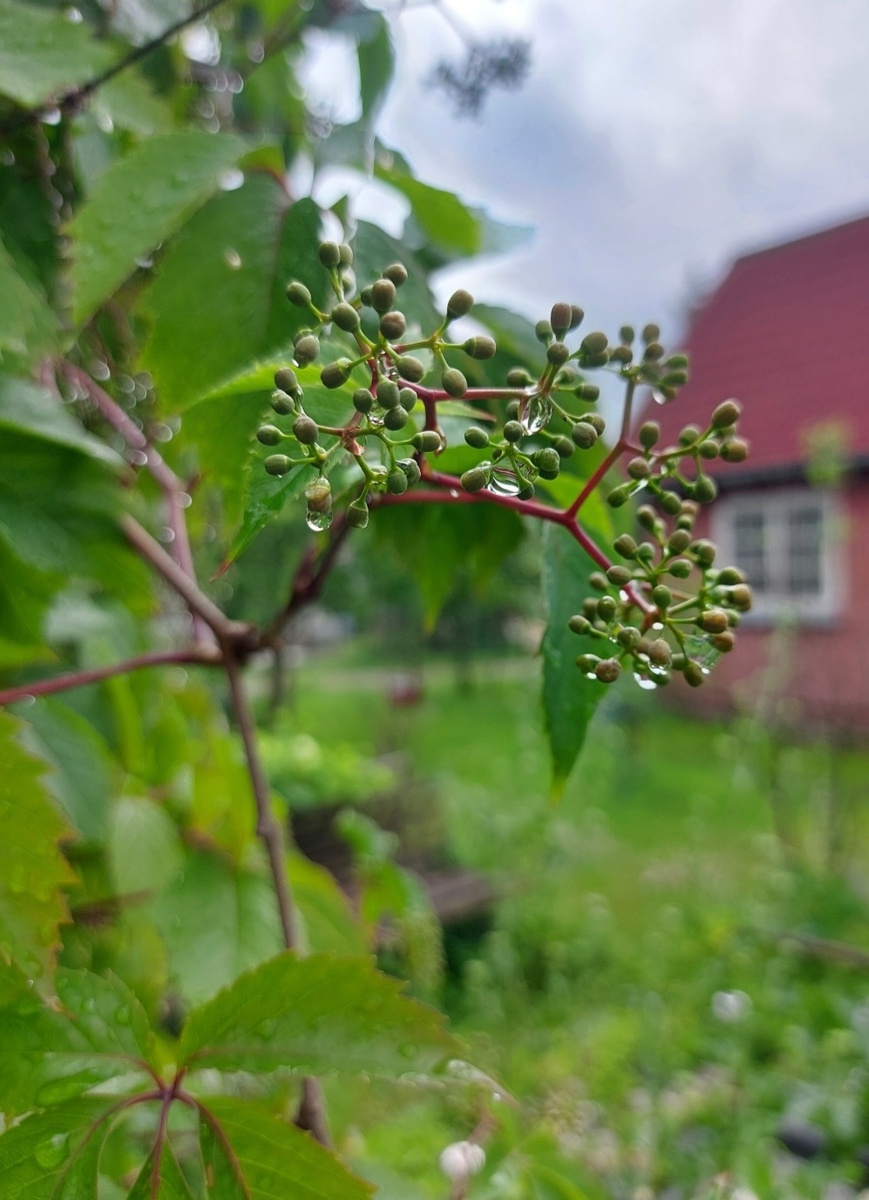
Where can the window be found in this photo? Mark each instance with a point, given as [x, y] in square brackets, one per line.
[786, 541]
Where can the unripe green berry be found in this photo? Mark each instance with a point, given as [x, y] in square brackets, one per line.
[727, 413]
[563, 446]
[345, 316]
[526, 491]
[365, 296]
[740, 597]
[646, 516]
[475, 479]
[393, 324]
[335, 374]
[396, 481]
[735, 450]
[626, 334]
[587, 662]
[557, 353]
[427, 440]
[269, 435]
[670, 503]
[396, 273]
[638, 468]
[408, 398]
[576, 316]
[319, 495]
[708, 450]
[589, 608]
[679, 568]
[679, 541]
[651, 333]
[382, 295]
[625, 545]
[689, 434]
[388, 394]
[618, 575]
[547, 460]
[357, 514]
[410, 368]
[363, 401]
[727, 576]
[587, 391]
[298, 294]
[629, 637]
[608, 670]
[724, 642]
[662, 596]
[306, 349]
[543, 332]
[596, 421]
[514, 431]
[329, 254]
[659, 653]
[282, 403]
[579, 624]
[620, 354]
[345, 255]
[646, 551]
[675, 379]
[454, 382]
[305, 430]
[606, 608]
[653, 352]
[693, 673]
[677, 361]
[285, 379]
[593, 344]
[584, 434]
[714, 620]
[476, 437]
[512, 409]
[411, 470]
[277, 464]
[598, 581]
[705, 489]
[459, 304]
[518, 377]
[396, 418]
[648, 433]
[480, 347]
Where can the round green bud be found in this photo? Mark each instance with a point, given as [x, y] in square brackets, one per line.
[674, 379]
[514, 431]
[646, 516]
[282, 403]
[396, 481]
[512, 408]
[714, 620]
[645, 551]
[563, 446]
[724, 642]
[393, 324]
[651, 333]
[652, 353]
[679, 568]
[411, 470]
[306, 349]
[629, 637]
[427, 440]
[740, 597]
[606, 608]
[596, 421]
[589, 608]
[727, 576]
[676, 362]
[329, 254]
[678, 541]
[548, 472]
[608, 670]
[365, 296]
[526, 491]
[459, 304]
[476, 437]
[543, 332]
[408, 398]
[584, 434]
[620, 354]
[518, 377]
[345, 255]
[626, 334]
[735, 450]
[708, 450]
[648, 433]
[579, 624]
[727, 413]
[619, 575]
[475, 479]
[689, 434]
[566, 378]
[480, 347]
[396, 418]
[560, 318]
[625, 545]
[599, 582]
[388, 394]
[345, 316]
[557, 353]
[335, 374]
[662, 596]
[277, 464]
[269, 435]
[298, 294]
[285, 379]
[410, 368]
[587, 662]
[665, 391]
[396, 273]
[587, 391]
[547, 459]
[638, 468]
[453, 382]
[659, 653]
[305, 430]
[670, 503]
[705, 489]
[357, 514]
[363, 401]
[382, 295]
[593, 344]
[693, 673]
[576, 316]
[319, 495]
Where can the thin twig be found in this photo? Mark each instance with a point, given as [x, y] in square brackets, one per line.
[207, 655]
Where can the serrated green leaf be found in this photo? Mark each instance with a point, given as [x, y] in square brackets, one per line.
[218, 300]
[327, 920]
[217, 920]
[28, 409]
[34, 1154]
[51, 1054]
[171, 1184]
[317, 1015]
[139, 202]
[43, 52]
[32, 901]
[273, 1157]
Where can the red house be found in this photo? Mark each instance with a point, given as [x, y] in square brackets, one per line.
[787, 334]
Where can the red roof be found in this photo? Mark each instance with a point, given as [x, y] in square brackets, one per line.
[786, 334]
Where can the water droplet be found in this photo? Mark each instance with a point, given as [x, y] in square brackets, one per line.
[184, 501]
[145, 262]
[538, 411]
[74, 16]
[659, 397]
[318, 521]
[122, 1016]
[232, 258]
[7, 158]
[647, 684]
[702, 652]
[138, 458]
[105, 122]
[408, 1050]
[51, 116]
[167, 535]
[52, 1153]
[505, 482]
[90, 1005]
[231, 180]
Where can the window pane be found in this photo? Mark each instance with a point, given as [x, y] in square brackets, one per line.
[749, 534]
[804, 558]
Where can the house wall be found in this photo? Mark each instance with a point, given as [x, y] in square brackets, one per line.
[816, 674]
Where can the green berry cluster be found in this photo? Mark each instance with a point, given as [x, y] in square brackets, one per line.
[688, 627]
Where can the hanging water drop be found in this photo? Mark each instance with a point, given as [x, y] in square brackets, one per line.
[537, 413]
[505, 482]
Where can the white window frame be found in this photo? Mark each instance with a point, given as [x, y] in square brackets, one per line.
[776, 504]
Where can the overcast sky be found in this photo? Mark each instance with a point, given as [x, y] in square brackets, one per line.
[650, 143]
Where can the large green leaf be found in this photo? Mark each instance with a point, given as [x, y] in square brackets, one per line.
[28, 409]
[273, 1157]
[50, 1053]
[26, 321]
[376, 58]
[326, 917]
[35, 873]
[43, 53]
[35, 1154]
[137, 203]
[440, 214]
[318, 1015]
[144, 846]
[218, 299]
[171, 1184]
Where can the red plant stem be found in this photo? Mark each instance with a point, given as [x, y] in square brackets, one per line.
[207, 655]
[592, 482]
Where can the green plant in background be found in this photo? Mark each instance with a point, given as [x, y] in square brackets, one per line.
[175, 983]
